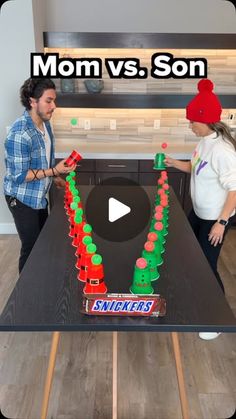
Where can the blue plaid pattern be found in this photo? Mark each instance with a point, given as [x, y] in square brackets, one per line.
[24, 150]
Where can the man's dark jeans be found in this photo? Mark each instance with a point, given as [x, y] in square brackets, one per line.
[29, 222]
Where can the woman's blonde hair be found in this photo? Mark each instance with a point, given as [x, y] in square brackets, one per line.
[224, 130]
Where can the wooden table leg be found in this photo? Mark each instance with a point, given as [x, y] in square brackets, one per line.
[50, 372]
[180, 375]
[114, 375]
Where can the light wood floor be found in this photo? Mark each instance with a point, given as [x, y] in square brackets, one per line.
[147, 386]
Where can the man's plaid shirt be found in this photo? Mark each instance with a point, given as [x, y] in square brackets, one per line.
[24, 150]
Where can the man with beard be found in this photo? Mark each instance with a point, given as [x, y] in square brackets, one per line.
[30, 163]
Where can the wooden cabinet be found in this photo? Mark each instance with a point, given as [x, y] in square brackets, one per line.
[85, 172]
[187, 198]
[117, 165]
[106, 175]
[86, 165]
[83, 178]
[106, 169]
[177, 181]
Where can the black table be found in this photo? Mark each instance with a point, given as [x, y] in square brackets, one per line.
[47, 296]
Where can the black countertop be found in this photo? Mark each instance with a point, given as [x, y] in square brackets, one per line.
[48, 297]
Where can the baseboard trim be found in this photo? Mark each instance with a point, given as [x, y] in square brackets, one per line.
[7, 228]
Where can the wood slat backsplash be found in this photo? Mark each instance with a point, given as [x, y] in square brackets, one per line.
[132, 125]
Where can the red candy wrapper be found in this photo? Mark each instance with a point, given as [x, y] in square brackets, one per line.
[124, 305]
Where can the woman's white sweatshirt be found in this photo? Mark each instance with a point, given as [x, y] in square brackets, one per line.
[213, 175]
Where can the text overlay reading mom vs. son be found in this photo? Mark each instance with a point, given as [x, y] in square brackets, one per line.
[163, 66]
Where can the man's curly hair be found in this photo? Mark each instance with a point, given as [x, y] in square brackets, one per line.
[34, 88]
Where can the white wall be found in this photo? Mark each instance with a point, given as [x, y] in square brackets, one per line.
[181, 16]
[17, 41]
[39, 17]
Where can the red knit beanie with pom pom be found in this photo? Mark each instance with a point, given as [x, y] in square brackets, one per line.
[205, 106]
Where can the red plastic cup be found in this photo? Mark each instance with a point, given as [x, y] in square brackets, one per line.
[73, 158]
[95, 277]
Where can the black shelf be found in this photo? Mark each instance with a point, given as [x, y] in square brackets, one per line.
[139, 40]
[136, 101]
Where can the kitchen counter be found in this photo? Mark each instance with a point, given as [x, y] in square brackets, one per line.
[104, 150]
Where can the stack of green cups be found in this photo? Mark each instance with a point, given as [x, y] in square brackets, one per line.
[158, 245]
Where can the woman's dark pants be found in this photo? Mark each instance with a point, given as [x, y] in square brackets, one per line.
[201, 230]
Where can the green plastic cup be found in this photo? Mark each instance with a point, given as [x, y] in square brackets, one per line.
[159, 163]
[152, 264]
[141, 281]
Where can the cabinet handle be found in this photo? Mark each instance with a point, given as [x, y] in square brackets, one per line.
[90, 180]
[116, 165]
[99, 180]
[180, 186]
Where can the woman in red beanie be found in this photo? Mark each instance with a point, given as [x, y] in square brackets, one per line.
[213, 175]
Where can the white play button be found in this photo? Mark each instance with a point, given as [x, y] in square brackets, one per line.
[116, 209]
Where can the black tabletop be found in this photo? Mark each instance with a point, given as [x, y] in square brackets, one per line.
[48, 297]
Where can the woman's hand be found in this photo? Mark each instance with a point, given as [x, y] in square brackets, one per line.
[169, 162]
[62, 168]
[184, 166]
[216, 234]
